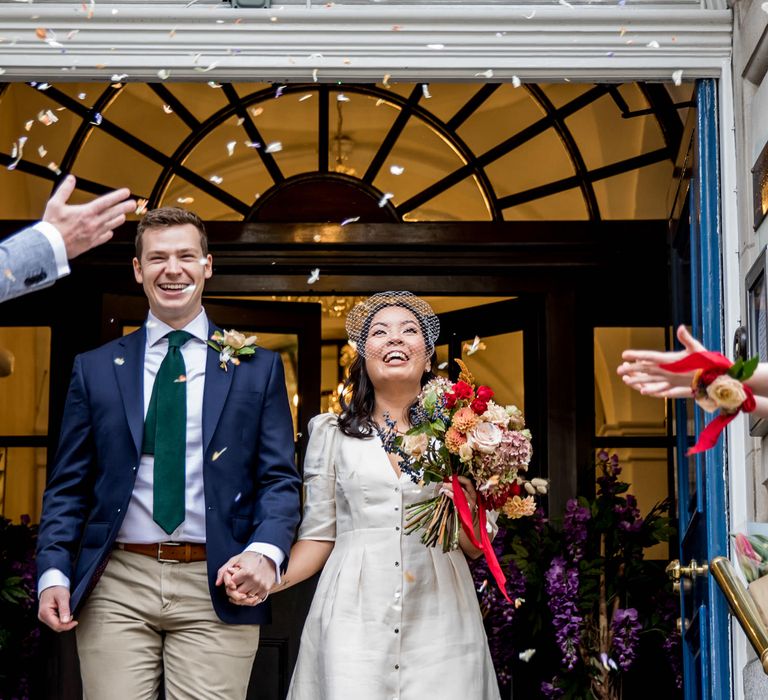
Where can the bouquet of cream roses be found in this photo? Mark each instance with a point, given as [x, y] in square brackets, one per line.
[458, 430]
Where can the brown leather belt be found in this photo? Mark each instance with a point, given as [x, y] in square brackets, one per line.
[168, 552]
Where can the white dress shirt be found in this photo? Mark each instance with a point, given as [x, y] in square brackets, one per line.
[56, 240]
[139, 527]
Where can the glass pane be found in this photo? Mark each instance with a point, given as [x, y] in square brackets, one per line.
[462, 202]
[497, 361]
[563, 206]
[25, 360]
[22, 480]
[646, 471]
[620, 410]
[638, 194]
[443, 365]
[287, 345]
[330, 377]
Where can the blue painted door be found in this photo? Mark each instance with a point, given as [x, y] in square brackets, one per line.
[702, 479]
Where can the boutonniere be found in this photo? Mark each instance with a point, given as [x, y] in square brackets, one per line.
[231, 346]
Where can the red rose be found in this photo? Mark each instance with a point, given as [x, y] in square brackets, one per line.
[479, 406]
[450, 399]
[709, 375]
[484, 393]
[515, 489]
[462, 390]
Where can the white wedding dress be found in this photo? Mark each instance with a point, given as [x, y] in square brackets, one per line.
[391, 619]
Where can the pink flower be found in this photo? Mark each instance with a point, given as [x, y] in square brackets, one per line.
[484, 437]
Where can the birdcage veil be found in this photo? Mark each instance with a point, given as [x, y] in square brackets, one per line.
[359, 318]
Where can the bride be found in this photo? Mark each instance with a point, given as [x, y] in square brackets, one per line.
[391, 619]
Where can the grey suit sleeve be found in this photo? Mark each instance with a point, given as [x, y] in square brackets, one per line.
[27, 263]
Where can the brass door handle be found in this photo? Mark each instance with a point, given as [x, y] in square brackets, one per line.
[676, 571]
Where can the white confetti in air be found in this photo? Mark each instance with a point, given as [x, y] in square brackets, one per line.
[141, 208]
[9, 275]
[677, 77]
[29, 124]
[436, 47]
[203, 261]
[252, 144]
[115, 10]
[2, 71]
[231, 147]
[118, 77]
[485, 74]
[257, 111]
[425, 91]
[565, 3]
[150, 323]
[185, 200]
[476, 345]
[180, 379]
[442, 365]
[500, 34]
[47, 117]
[273, 147]
[43, 86]
[341, 97]
[653, 44]
[314, 275]
[531, 16]
[216, 179]
[317, 238]
[314, 75]
[72, 33]
[218, 454]
[279, 91]
[526, 655]
[119, 361]
[396, 169]
[16, 152]
[53, 167]
[97, 119]
[41, 151]
[516, 82]
[205, 69]
[384, 199]
[163, 74]
[239, 496]
[167, 109]
[350, 220]
[213, 84]
[764, 7]
[81, 96]
[304, 97]
[240, 121]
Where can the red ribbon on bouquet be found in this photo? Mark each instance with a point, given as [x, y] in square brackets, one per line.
[465, 516]
[710, 365]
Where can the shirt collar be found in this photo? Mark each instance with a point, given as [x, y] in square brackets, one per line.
[157, 329]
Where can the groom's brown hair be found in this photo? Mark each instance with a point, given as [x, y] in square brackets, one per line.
[165, 217]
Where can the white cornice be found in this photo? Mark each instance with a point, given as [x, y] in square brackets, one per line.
[416, 43]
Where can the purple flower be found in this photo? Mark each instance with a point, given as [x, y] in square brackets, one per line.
[562, 587]
[551, 690]
[629, 515]
[575, 529]
[626, 634]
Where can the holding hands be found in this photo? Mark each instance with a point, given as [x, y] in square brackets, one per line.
[247, 578]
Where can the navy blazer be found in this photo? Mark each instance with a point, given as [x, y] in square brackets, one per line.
[251, 489]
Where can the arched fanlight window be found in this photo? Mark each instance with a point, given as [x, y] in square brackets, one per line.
[405, 152]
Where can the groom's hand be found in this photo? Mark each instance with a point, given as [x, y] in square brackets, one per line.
[247, 578]
[54, 609]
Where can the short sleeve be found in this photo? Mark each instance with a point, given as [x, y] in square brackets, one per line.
[319, 521]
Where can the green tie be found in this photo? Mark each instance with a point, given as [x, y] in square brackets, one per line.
[167, 438]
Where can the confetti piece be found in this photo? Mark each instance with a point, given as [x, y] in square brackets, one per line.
[677, 77]
[119, 77]
[516, 82]
[409, 577]
[29, 124]
[172, 33]
[350, 220]
[531, 16]
[41, 151]
[485, 74]
[436, 47]
[41, 33]
[141, 206]
[316, 238]
[314, 275]
[273, 147]
[185, 200]
[240, 121]
[81, 96]
[476, 345]
[119, 361]
[97, 119]
[483, 586]
[47, 117]
[2, 71]
[216, 179]
[252, 144]
[16, 152]
[163, 74]
[231, 147]
[205, 69]
[341, 97]
[653, 44]
[442, 365]
[314, 75]
[115, 10]
[526, 655]
[304, 97]
[519, 602]
[501, 34]
[764, 7]
[396, 169]
[52, 166]
[43, 86]
[213, 84]
[180, 379]
[384, 199]
[7, 272]
[425, 91]
[167, 109]
[218, 454]
[239, 496]
[565, 3]
[256, 111]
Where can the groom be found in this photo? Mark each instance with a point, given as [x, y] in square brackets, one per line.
[173, 499]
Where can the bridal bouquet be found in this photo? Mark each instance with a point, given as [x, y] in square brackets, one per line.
[458, 430]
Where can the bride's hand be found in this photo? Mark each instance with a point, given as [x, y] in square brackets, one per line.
[466, 486]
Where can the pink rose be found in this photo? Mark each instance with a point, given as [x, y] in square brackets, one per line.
[484, 437]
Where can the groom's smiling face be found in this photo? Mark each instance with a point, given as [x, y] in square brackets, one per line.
[173, 271]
